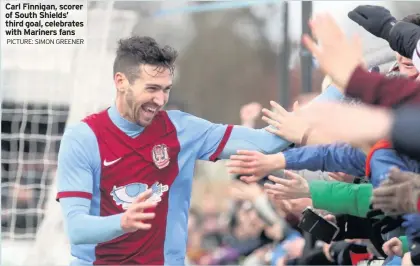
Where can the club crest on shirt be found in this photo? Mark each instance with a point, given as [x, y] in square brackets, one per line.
[125, 195]
[160, 156]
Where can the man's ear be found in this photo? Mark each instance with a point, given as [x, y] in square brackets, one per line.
[121, 82]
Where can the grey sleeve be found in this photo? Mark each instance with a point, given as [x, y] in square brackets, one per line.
[307, 174]
[314, 175]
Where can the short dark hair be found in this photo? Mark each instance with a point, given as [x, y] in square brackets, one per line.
[414, 18]
[135, 51]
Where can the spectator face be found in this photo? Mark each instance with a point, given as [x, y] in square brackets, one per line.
[406, 66]
[249, 224]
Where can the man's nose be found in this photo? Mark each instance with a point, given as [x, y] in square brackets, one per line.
[159, 98]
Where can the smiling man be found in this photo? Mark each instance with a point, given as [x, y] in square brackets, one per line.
[125, 174]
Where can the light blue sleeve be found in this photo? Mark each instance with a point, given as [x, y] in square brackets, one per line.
[76, 161]
[212, 141]
[84, 228]
[78, 164]
[243, 138]
[200, 137]
[338, 157]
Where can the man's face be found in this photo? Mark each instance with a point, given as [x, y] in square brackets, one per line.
[406, 66]
[147, 95]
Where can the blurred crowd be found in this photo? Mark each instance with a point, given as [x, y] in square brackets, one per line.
[231, 222]
[347, 190]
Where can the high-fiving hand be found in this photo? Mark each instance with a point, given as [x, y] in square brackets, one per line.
[362, 125]
[294, 187]
[254, 165]
[285, 124]
[399, 194]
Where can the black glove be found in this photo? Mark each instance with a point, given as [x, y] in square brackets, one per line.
[352, 227]
[383, 223]
[403, 38]
[388, 224]
[375, 19]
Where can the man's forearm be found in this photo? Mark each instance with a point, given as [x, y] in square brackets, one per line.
[316, 137]
[243, 138]
[83, 228]
[310, 158]
[374, 88]
[341, 198]
[327, 158]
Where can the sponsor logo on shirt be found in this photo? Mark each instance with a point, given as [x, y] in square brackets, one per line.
[125, 195]
[108, 163]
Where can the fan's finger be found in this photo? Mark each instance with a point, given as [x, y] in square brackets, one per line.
[245, 158]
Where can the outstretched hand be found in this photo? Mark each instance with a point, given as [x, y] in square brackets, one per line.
[399, 194]
[342, 177]
[294, 187]
[285, 124]
[254, 165]
[363, 124]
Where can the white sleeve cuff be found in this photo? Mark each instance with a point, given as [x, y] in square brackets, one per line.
[416, 56]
